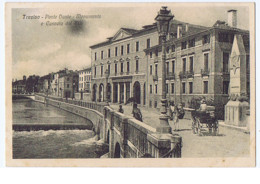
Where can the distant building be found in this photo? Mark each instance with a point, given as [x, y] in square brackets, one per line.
[85, 80]
[68, 84]
[18, 86]
[54, 89]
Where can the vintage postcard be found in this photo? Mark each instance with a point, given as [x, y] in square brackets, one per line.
[130, 84]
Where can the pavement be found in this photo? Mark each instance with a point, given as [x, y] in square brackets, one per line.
[230, 141]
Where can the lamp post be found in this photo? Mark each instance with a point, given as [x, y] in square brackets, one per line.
[106, 76]
[163, 19]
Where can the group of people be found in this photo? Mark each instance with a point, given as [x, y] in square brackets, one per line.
[176, 112]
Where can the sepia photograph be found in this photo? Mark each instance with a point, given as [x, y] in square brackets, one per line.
[130, 84]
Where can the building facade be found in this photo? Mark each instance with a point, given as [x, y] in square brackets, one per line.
[85, 80]
[54, 82]
[68, 84]
[119, 65]
[197, 63]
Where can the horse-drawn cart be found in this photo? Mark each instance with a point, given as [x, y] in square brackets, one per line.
[202, 120]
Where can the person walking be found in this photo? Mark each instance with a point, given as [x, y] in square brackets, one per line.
[137, 113]
[174, 113]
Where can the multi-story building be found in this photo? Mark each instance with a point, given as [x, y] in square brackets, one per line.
[197, 63]
[85, 80]
[54, 89]
[18, 86]
[68, 84]
[119, 65]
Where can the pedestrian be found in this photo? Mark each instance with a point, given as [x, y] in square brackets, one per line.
[137, 113]
[171, 110]
[175, 118]
[203, 105]
[121, 110]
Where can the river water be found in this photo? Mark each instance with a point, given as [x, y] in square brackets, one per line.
[52, 143]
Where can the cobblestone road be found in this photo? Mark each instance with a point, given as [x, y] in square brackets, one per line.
[229, 142]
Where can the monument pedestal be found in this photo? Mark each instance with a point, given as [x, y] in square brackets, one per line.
[236, 113]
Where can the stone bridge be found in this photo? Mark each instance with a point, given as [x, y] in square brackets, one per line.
[126, 136]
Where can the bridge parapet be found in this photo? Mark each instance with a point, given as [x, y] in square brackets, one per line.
[137, 139]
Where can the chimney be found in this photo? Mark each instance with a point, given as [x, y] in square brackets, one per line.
[232, 18]
[186, 27]
[179, 30]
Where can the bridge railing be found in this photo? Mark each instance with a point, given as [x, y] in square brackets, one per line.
[138, 139]
[91, 105]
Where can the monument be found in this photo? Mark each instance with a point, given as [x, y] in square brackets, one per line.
[237, 106]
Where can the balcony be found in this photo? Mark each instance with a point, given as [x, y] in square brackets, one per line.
[204, 72]
[155, 77]
[190, 74]
[186, 74]
[170, 76]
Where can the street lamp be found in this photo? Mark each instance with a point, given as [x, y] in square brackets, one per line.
[163, 19]
[106, 76]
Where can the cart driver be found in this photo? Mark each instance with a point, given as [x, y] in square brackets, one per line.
[203, 106]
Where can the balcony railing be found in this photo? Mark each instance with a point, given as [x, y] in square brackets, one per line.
[186, 74]
[170, 76]
[155, 77]
[204, 72]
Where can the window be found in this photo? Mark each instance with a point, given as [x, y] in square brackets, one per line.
[183, 87]
[190, 87]
[128, 48]
[168, 49]
[156, 88]
[122, 67]
[183, 64]
[172, 88]
[68, 86]
[102, 54]
[128, 66]
[95, 56]
[173, 66]
[95, 72]
[206, 39]
[115, 51]
[108, 53]
[206, 61]
[167, 88]
[151, 69]
[136, 65]
[156, 69]
[205, 87]
[137, 46]
[115, 68]
[148, 43]
[191, 64]
[151, 89]
[225, 87]
[192, 43]
[156, 53]
[183, 45]
[225, 62]
[102, 70]
[225, 37]
[108, 68]
[167, 68]
[173, 48]
[151, 54]
[247, 64]
[122, 50]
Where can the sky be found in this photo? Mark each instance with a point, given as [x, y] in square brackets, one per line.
[40, 49]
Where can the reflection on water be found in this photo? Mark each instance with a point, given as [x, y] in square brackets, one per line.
[52, 143]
